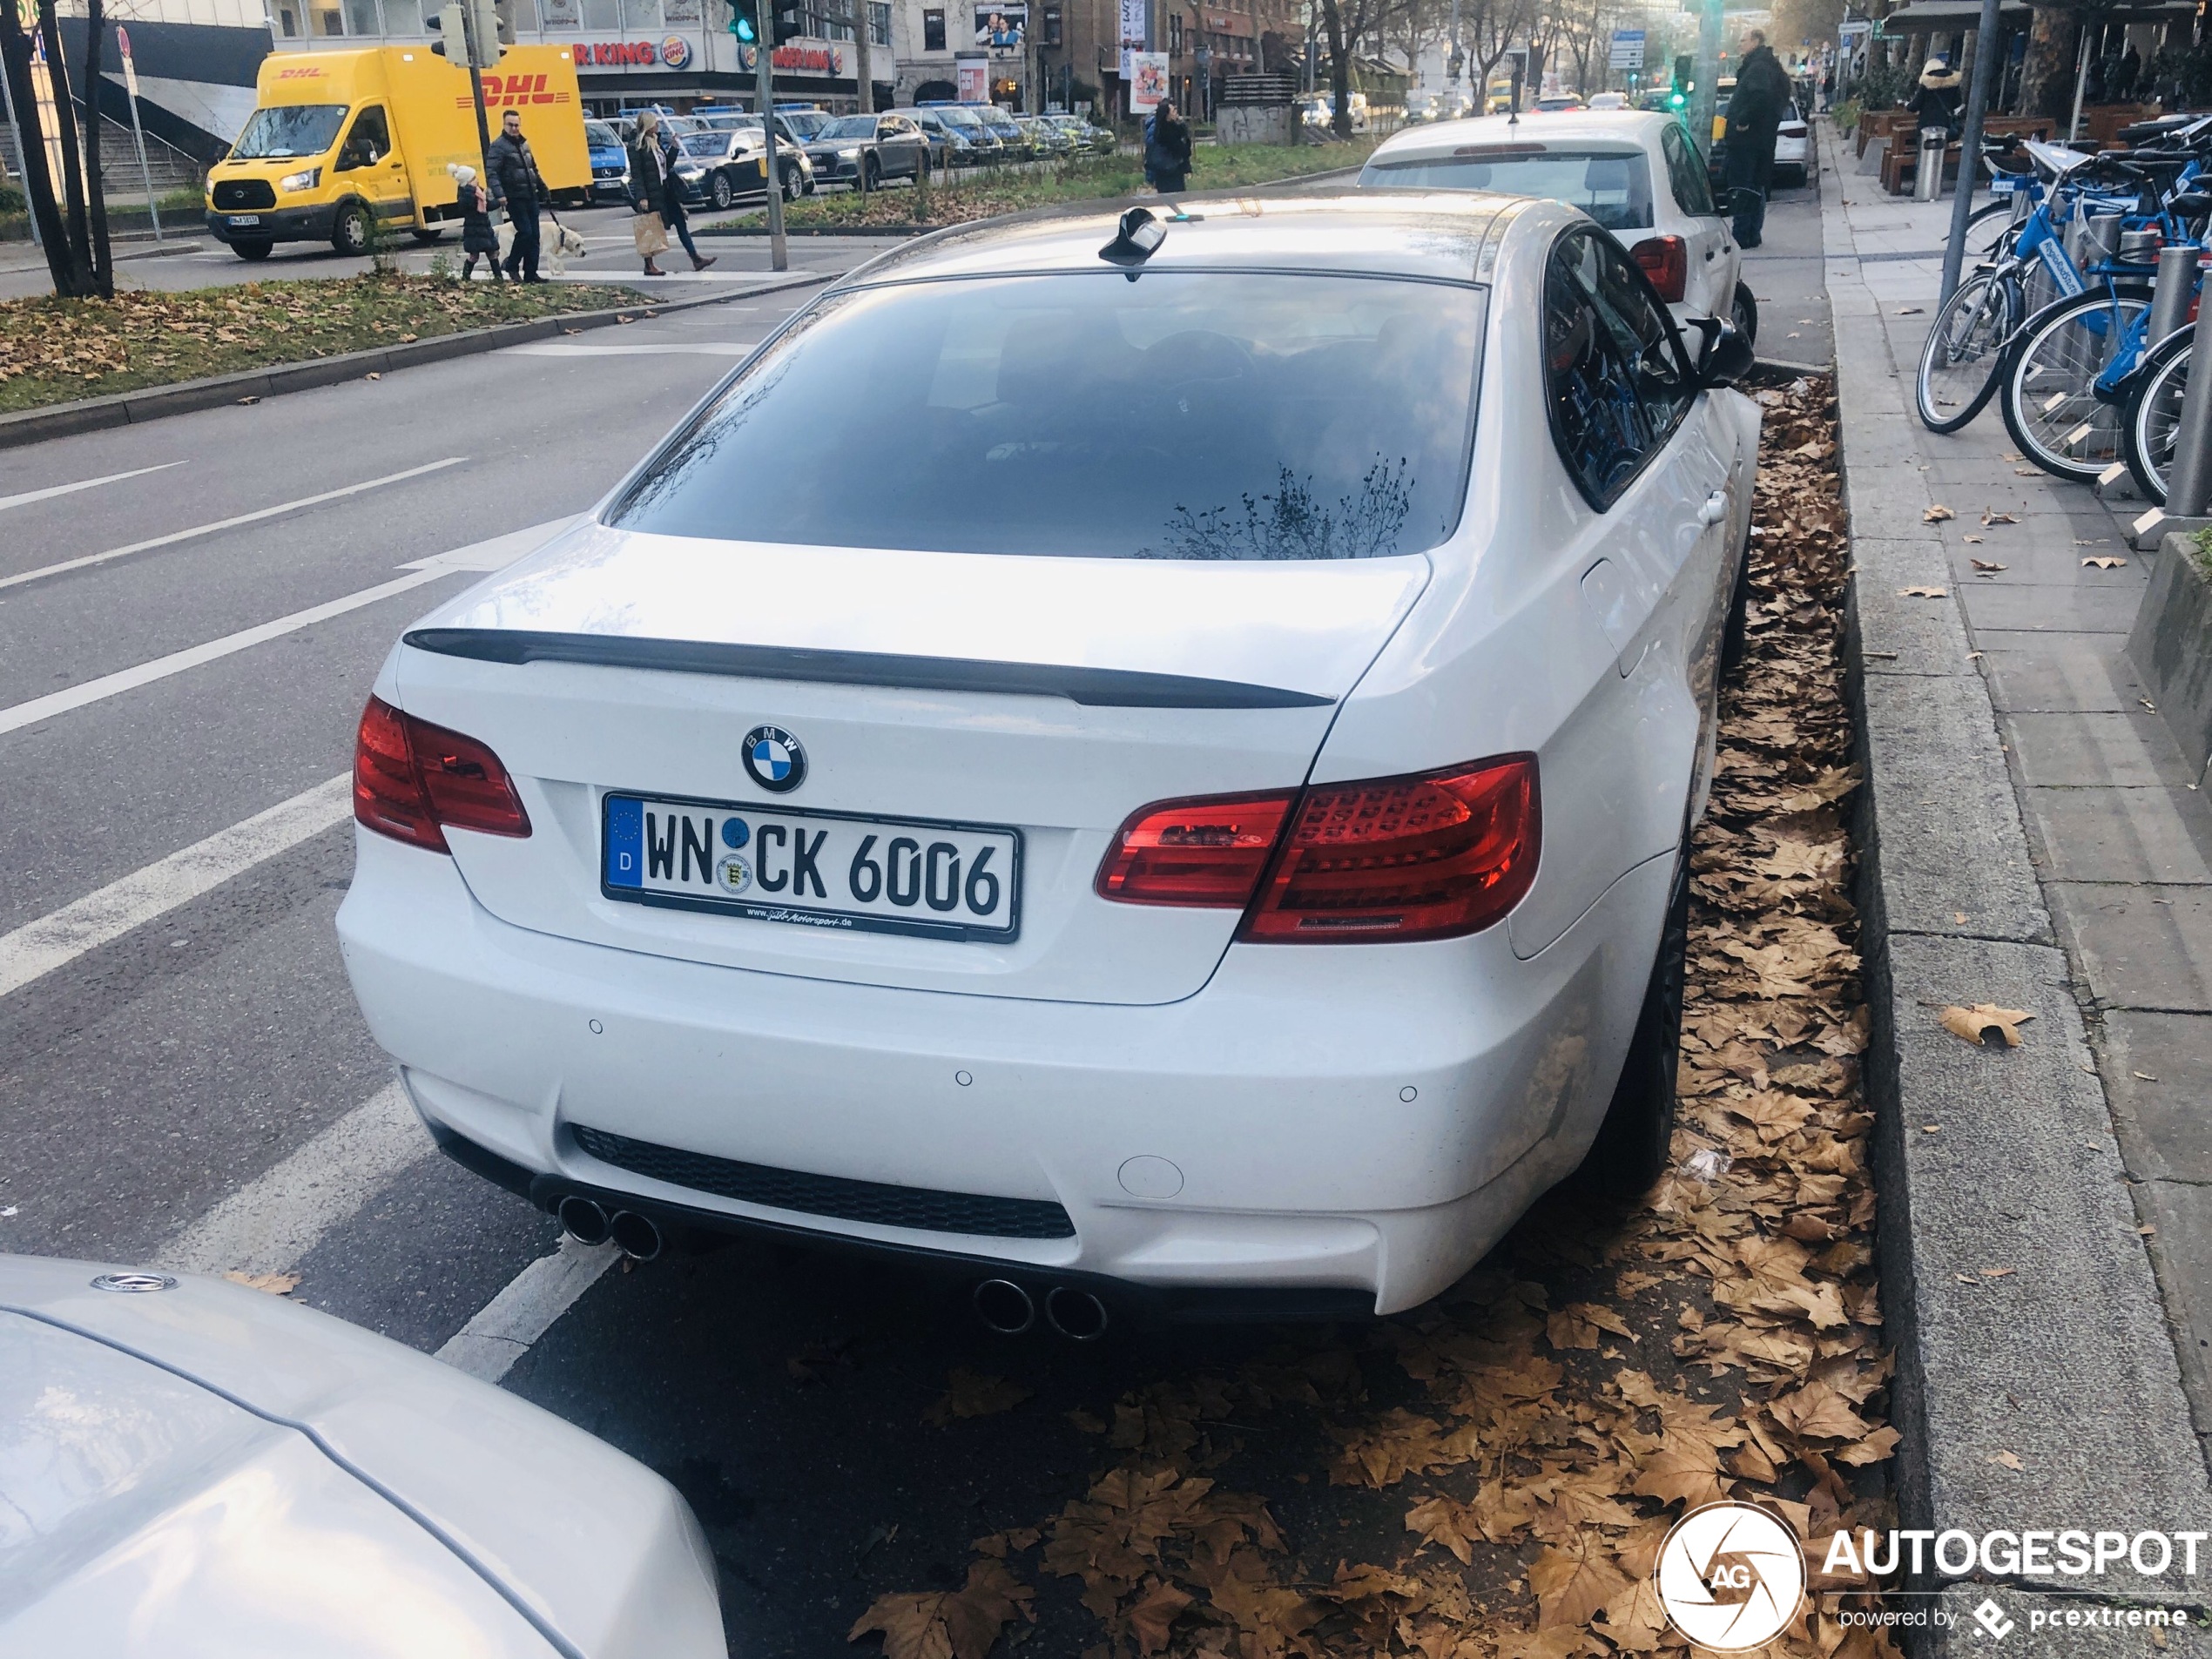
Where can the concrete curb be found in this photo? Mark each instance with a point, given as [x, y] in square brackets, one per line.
[2171, 643]
[2023, 1307]
[130, 408]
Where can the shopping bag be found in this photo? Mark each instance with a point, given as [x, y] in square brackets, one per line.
[651, 233]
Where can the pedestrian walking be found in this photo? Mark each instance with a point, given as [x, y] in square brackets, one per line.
[1935, 103]
[656, 189]
[1167, 149]
[477, 237]
[517, 185]
[1754, 114]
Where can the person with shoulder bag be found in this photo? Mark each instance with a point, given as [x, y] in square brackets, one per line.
[657, 195]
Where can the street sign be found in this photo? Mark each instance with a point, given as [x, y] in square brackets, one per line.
[1628, 49]
[138, 132]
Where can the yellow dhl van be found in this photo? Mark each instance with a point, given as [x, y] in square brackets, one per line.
[338, 138]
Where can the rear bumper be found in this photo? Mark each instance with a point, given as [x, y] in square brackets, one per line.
[276, 225]
[1371, 1119]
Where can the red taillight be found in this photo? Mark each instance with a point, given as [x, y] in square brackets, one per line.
[411, 777]
[1665, 260]
[1208, 853]
[1430, 857]
[1427, 856]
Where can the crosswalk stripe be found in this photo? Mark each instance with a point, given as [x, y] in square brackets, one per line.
[38, 947]
[269, 1224]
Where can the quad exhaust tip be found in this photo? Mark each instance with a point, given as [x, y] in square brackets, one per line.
[1075, 1314]
[1004, 1306]
[590, 1222]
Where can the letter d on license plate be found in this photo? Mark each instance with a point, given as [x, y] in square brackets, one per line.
[816, 869]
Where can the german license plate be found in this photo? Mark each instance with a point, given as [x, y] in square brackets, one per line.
[245, 218]
[898, 875]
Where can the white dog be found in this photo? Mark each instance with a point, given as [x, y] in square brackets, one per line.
[564, 245]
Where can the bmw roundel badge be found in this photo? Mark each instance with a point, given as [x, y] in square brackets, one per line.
[774, 760]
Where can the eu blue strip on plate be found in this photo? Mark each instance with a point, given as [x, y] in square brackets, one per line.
[625, 847]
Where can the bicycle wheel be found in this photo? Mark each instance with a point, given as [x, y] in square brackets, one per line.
[2154, 413]
[2050, 403]
[1988, 231]
[1964, 358]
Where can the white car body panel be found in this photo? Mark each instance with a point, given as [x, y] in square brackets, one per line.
[1366, 1115]
[1708, 289]
[207, 1469]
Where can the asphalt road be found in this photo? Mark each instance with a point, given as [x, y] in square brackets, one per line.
[185, 1077]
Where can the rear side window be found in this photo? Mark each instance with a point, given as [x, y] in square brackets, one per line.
[1612, 185]
[1183, 415]
[1693, 190]
[1614, 382]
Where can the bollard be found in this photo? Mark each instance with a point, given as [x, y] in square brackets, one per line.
[1927, 173]
[2190, 483]
[2171, 291]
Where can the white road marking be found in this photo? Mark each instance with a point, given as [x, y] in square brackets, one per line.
[51, 490]
[76, 697]
[38, 947]
[495, 554]
[676, 349]
[254, 517]
[507, 1327]
[269, 1224]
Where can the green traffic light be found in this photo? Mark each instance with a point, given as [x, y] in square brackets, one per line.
[741, 26]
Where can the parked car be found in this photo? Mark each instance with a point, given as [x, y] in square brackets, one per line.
[1043, 139]
[189, 1467]
[676, 127]
[962, 122]
[1257, 889]
[717, 169]
[1636, 173]
[875, 147]
[804, 125]
[1792, 146]
[793, 128]
[1084, 134]
[1558, 103]
[1012, 146]
[1608, 101]
[948, 147]
[609, 162]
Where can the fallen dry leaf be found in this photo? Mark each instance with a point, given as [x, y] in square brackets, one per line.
[948, 1624]
[274, 1284]
[1923, 593]
[1985, 564]
[1976, 541]
[1975, 1023]
[2010, 1459]
[1937, 514]
[972, 1393]
[1991, 516]
[2103, 561]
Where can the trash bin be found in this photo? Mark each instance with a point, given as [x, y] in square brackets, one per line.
[1927, 173]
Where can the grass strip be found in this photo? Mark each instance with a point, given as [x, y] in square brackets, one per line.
[990, 194]
[57, 351]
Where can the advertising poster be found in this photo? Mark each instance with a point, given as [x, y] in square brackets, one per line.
[971, 77]
[1147, 80]
[1001, 28]
[1132, 22]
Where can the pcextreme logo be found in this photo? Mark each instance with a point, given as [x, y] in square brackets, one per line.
[1731, 1576]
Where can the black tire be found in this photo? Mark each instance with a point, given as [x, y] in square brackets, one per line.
[426, 234]
[723, 192]
[1635, 1144]
[350, 234]
[2153, 408]
[1971, 331]
[873, 169]
[1986, 229]
[793, 188]
[2058, 351]
[252, 251]
[1739, 609]
[1744, 312]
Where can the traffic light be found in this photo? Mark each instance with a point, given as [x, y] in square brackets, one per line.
[484, 34]
[1685, 70]
[452, 42]
[788, 21]
[742, 23]
[503, 10]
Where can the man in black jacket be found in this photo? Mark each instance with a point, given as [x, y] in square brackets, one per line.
[516, 181]
[1754, 112]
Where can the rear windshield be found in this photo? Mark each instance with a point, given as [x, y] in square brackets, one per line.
[1183, 415]
[850, 126]
[1612, 186]
[291, 130]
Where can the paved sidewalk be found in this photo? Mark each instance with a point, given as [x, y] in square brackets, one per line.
[2006, 704]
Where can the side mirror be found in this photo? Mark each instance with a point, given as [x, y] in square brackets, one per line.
[1725, 356]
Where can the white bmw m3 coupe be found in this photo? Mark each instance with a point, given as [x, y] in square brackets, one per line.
[1148, 759]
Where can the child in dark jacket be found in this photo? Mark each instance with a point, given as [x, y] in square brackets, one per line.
[478, 236]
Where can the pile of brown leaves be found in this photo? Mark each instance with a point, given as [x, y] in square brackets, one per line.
[53, 350]
[1726, 1341]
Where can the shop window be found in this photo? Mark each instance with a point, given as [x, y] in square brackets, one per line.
[933, 31]
[361, 19]
[288, 22]
[329, 21]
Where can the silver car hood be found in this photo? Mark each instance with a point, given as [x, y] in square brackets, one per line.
[206, 1468]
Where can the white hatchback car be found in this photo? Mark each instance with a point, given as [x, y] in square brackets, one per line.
[1197, 812]
[1635, 171]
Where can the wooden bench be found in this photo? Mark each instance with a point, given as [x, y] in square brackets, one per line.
[1903, 162]
[1882, 123]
